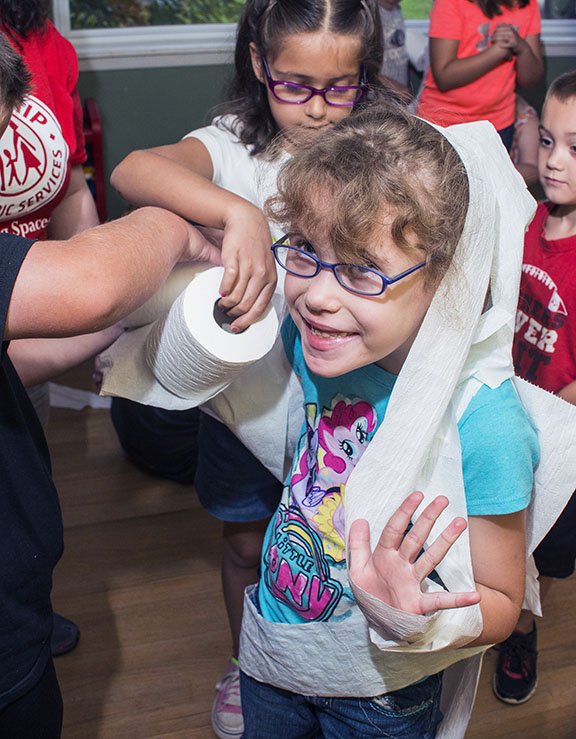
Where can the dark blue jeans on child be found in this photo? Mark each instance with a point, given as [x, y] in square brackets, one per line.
[411, 713]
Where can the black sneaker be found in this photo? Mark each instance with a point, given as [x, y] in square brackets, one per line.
[516, 678]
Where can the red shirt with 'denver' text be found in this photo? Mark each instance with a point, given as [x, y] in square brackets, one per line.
[545, 339]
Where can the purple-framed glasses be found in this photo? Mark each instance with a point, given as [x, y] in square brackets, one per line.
[352, 277]
[295, 93]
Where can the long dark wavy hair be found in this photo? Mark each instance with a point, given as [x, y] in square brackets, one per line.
[24, 16]
[266, 23]
[490, 8]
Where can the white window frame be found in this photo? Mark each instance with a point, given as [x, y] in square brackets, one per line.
[212, 44]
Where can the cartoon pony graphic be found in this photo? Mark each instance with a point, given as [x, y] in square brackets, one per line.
[326, 462]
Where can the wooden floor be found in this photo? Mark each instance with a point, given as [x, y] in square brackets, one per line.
[140, 575]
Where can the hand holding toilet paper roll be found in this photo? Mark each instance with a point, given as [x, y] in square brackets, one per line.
[191, 353]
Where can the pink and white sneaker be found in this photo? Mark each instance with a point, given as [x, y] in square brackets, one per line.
[227, 721]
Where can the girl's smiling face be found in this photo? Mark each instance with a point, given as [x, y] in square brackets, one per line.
[319, 59]
[342, 331]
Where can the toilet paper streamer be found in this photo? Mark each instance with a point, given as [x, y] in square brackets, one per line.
[191, 354]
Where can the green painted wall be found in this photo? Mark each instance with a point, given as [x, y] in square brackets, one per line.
[148, 107]
[142, 108]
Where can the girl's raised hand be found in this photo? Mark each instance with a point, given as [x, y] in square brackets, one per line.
[249, 269]
[394, 572]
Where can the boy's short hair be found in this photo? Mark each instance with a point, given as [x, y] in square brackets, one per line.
[15, 79]
[563, 88]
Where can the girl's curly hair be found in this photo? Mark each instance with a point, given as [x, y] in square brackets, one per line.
[382, 168]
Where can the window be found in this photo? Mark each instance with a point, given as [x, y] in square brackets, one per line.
[133, 34]
[85, 14]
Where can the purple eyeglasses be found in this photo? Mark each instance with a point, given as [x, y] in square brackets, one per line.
[356, 278]
[339, 96]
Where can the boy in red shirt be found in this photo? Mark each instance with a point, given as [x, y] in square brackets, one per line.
[545, 350]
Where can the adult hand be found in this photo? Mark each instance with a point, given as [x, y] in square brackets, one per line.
[394, 572]
[203, 245]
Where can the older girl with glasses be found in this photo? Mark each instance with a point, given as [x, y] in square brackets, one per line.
[300, 67]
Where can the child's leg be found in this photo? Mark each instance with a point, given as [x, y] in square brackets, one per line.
[241, 550]
[412, 713]
[270, 711]
[158, 441]
[516, 675]
[233, 486]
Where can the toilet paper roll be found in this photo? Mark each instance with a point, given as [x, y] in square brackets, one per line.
[191, 354]
[159, 304]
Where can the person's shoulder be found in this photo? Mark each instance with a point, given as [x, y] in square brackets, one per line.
[498, 412]
[51, 35]
[290, 338]
[55, 48]
[500, 451]
[223, 129]
[540, 217]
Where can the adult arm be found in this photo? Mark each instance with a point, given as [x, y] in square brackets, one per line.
[39, 360]
[179, 177]
[89, 282]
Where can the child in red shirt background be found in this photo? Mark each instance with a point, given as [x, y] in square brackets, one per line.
[545, 351]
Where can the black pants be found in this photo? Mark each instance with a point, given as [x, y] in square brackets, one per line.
[38, 713]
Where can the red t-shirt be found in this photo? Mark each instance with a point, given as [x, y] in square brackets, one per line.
[44, 138]
[545, 339]
[490, 97]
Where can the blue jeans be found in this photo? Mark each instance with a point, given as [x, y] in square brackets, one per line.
[411, 713]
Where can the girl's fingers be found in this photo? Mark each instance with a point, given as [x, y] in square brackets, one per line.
[359, 551]
[256, 311]
[393, 532]
[415, 539]
[436, 552]
[442, 600]
[233, 287]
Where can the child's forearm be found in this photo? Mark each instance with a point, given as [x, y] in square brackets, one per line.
[529, 64]
[149, 178]
[568, 393]
[498, 549]
[450, 72]
[499, 616]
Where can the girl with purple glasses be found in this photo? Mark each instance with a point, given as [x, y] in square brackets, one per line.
[300, 67]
